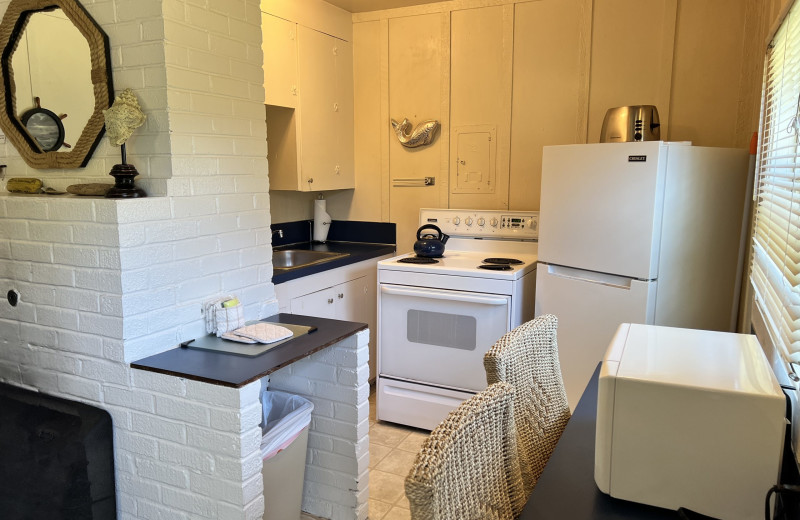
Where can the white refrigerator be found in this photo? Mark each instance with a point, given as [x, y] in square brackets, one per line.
[645, 232]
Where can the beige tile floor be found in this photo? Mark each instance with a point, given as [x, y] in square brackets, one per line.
[392, 449]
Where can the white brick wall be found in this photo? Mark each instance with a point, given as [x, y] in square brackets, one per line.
[105, 282]
[337, 475]
[177, 459]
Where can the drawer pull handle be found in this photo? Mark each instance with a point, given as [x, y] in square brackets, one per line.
[415, 182]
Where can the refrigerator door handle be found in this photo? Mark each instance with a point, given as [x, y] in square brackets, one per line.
[619, 282]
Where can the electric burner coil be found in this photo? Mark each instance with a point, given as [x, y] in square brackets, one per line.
[502, 261]
[417, 260]
[496, 267]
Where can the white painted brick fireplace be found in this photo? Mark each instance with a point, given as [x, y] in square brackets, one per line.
[106, 282]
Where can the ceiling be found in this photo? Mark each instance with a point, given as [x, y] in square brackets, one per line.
[360, 6]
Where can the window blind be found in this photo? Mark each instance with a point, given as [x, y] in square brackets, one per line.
[775, 270]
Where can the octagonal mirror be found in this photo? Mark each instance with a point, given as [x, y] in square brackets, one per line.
[56, 81]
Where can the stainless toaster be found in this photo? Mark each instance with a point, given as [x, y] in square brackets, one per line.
[631, 123]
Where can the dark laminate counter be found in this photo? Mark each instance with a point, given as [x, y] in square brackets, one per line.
[234, 370]
[566, 488]
[360, 240]
[356, 252]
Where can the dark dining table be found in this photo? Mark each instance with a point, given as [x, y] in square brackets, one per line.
[566, 488]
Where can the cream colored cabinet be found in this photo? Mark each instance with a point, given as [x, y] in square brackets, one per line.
[325, 72]
[309, 108]
[346, 293]
[346, 301]
[321, 304]
[279, 43]
[356, 299]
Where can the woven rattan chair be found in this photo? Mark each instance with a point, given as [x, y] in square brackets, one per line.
[527, 358]
[466, 469]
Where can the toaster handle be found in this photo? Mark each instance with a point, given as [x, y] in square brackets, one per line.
[655, 122]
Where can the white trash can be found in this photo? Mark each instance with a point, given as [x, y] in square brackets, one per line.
[283, 451]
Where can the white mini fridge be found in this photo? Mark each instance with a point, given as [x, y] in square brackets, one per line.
[689, 419]
[645, 232]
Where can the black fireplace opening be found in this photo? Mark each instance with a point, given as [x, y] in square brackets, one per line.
[56, 458]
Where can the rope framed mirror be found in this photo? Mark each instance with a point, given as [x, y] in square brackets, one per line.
[55, 60]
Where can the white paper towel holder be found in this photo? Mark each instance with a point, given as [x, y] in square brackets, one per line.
[322, 220]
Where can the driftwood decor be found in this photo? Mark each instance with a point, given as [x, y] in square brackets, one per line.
[422, 134]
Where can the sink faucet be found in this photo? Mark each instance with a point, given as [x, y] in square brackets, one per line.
[279, 232]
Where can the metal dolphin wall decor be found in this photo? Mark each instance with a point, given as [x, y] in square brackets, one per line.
[422, 135]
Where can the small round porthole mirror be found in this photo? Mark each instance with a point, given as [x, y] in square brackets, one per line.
[45, 127]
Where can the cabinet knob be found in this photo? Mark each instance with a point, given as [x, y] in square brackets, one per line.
[310, 180]
[341, 296]
[337, 169]
[335, 51]
[330, 300]
[336, 107]
[294, 90]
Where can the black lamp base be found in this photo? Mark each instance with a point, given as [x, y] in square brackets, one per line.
[123, 183]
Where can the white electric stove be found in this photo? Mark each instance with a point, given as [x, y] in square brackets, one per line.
[437, 320]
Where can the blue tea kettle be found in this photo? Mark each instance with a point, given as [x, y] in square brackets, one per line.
[430, 245]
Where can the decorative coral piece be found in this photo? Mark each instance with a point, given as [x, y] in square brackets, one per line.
[124, 116]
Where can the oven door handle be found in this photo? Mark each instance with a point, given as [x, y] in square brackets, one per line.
[443, 295]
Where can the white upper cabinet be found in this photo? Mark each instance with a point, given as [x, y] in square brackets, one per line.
[325, 71]
[308, 79]
[279, 44]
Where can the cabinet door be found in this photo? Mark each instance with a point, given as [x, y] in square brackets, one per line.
[351, 300]
[358, 302]
[279, 43]
[322, 304]
[344, 112]
[417, 57]
[346, 301]
[317, 124]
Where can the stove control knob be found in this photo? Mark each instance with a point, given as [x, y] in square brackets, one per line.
[468, 221]
[456, 220]
[481, 221]
[493, 222]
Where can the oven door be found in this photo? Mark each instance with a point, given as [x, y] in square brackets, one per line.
[439, 336]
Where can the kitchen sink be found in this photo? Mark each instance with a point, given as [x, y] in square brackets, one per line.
[295, 258]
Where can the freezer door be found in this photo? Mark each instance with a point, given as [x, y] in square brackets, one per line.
[589, 307]
[601, 207]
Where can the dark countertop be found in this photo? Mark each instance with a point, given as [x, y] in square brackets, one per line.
[360, 240]
[356, 252]
[566, 488]
[221, 368]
